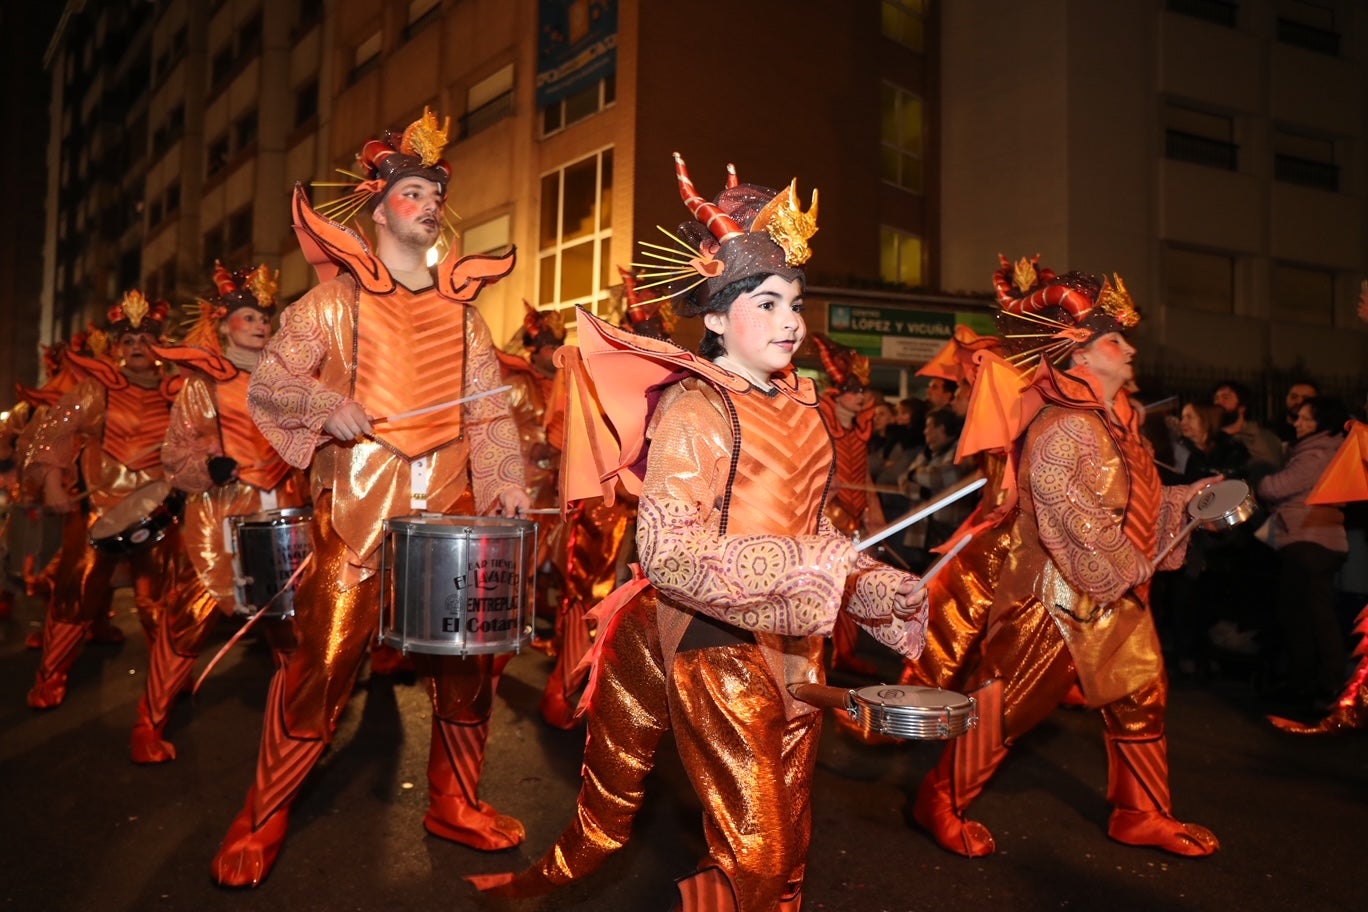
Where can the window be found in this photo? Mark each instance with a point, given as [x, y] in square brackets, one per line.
[306, 103]
[900, 257]
[900, 161]
[905, 22]
[173, 198]
[1303, 295]
[488, 101]
[1199, 280]
[1220, 12]
[590, 101]
[1305, 160]
[244, 131]
[239, 232]
[366, 57]
[213, 246]
[249, 37]
[487, 237]
[221, 65]
[420, 13]
[1310, 25]
[575, 232]
[1200, 138]
[218, 156]
[154, 213]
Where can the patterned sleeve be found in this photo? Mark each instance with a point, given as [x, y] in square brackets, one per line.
[790, 585]
[872, 600]
[285, 397]
[496, 462]
[57, 441]
[192, 437]
[1079, 528]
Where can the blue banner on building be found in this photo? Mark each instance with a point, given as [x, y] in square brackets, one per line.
[576, 46]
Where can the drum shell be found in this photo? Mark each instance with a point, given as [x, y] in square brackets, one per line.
[270, 547]
[457, 585]
[144, 530]
[915, 712]
[1233, 517]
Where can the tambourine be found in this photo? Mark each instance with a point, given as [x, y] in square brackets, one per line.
[1216, 508]
[898, 711]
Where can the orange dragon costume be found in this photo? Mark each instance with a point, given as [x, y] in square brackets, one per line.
[363, 337]
[216, 455]
[1086, 516]
[743, 576]
[108, 428]
[851, 508]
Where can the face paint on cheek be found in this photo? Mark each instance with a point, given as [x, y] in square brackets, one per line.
[404, 208]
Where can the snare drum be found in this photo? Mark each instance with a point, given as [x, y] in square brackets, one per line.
[922, 713]
[270, 547]
[457, 585]
[140, 519]
[1223, 505]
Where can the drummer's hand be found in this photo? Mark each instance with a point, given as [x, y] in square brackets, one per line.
[348, 422]
[513, 501]
[1144, 569]
[910, 597]
[55, 494]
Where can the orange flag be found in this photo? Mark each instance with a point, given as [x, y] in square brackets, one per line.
[1346, 477]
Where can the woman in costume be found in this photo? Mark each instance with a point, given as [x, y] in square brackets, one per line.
[216, 455]
[746, 572]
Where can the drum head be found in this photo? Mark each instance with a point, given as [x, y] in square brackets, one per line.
[138, 504]
[1219, 500]
[911, 696]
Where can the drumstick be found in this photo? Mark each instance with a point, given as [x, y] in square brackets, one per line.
[915, 516]
[251, 621]
[940, 564]
[540, 511]
[1177, 539]
[442, 405]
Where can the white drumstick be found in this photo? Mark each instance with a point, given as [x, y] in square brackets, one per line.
[940, 564]
[916, 516]
[540, 511]
[442, 405]
[1177, 540]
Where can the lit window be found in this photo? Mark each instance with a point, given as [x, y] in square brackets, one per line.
[585, 103]
[488, 101]
[366, 56]
[487, 237]
[902, 137]
[575, 233]
[900, 257]
[905, 22]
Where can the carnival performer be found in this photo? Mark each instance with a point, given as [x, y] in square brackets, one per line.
[537, 403]
[747, 573]
[1071, 603]
[106, 432]
[847, 406]
[596, 539]
[380, 337]
[216, 455]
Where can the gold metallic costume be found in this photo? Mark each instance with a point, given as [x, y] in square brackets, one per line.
[113, 428]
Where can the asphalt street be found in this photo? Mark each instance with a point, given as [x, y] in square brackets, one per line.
[85, 829]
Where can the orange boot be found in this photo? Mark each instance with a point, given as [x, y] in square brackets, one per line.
[455, 812]
[964, 769]
[254, 839]
[1139, 792]
[61, 645]
[708, 890]
[167, 674]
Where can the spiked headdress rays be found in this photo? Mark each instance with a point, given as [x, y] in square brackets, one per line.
[1044, 315]
[414, 152]
[134, 313]
[747, 230]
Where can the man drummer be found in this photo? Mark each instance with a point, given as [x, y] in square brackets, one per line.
[216, 455]
[107, 431]
[382, 336]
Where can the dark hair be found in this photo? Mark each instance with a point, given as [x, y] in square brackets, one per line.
[1243, 394]
[1330, 413]
[1209, 416]
[946, 419]
[948, 385]
[711, 347]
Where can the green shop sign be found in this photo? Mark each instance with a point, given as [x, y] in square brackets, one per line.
[899, 335]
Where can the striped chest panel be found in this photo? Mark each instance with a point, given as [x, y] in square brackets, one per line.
[135, 426]
[258, 463]
[781, 465]
[411, 354]
[852, 465]
[1146, 493]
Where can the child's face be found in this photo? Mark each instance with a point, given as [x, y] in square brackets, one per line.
[763, 329]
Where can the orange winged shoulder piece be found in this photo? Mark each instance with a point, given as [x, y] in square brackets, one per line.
[618, 377]
[102, 369]
[331, 247]
[1345, 479]
[462, 278]
[216, 367]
